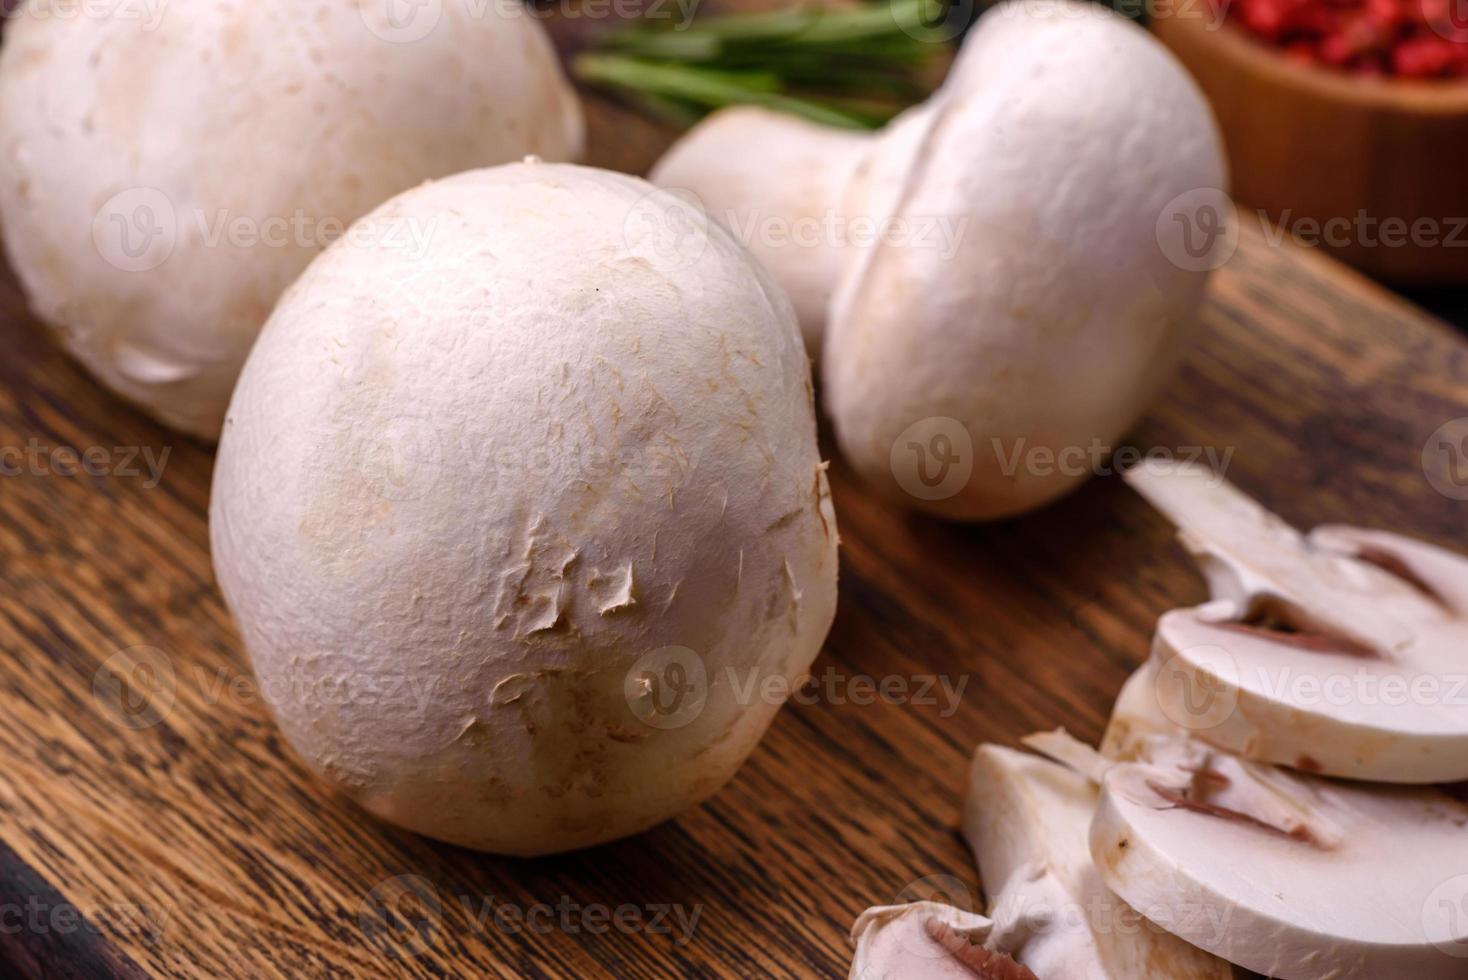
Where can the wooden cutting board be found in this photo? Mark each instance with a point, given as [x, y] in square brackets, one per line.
[152, 821]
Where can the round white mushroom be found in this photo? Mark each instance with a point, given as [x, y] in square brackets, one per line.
[1007, 299]
[169, 172]
[527, 534]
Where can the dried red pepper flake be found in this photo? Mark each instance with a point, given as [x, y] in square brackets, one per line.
[1419, 39]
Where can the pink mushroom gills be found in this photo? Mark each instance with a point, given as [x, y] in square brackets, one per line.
[1049, 914]
[1307, 878]
[1342, 652]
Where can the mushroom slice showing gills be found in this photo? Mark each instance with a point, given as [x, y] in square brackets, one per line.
[1301, 878]
[927, 941]
[1027, 820]
[1343, 652]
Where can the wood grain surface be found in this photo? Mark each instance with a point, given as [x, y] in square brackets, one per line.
[152, 821]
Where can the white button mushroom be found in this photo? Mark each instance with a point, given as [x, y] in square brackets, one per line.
[167, 176]
[1003, 307]
[518, 530]
[1340, 653]
[1028, 821]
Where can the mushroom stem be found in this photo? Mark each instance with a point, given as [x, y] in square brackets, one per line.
[780, 189]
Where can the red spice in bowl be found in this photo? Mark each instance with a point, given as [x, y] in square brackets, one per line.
[1400, 38]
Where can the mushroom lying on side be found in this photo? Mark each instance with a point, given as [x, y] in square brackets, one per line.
[166, 179]
[1001, 305]
[1343, 652]
[512, 527]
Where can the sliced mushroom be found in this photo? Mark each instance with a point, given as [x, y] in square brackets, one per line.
[927, 941]
[1344, 652]
[1136, 714]
[1293, 876]
[1027, 820]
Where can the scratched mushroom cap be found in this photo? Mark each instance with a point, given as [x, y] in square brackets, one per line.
[1303, 878]
[517, 530]
[1342, 652]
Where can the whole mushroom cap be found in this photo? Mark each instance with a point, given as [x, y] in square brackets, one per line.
[168, 173]
[520, 531]
[1020, 301]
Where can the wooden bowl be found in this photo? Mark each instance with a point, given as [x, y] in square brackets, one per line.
[1383, 157]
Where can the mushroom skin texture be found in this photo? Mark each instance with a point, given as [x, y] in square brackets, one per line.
[789, 224]
[517, 531]
[164, 182]
[1014, 309]
[1339, 652]
[1309, 879]
[1027, 820]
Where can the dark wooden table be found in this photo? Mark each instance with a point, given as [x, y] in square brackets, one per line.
[152, 821]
